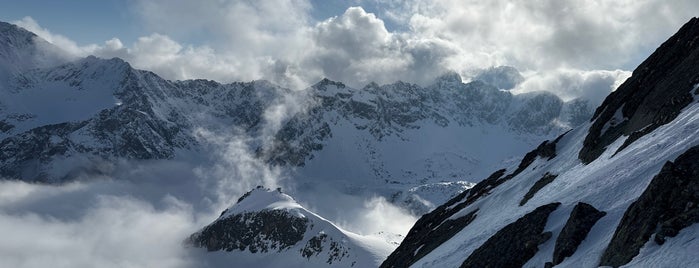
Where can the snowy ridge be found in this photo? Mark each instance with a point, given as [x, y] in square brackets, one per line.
[279, 231]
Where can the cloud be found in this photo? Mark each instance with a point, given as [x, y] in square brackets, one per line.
[63, 42]
[569, 84]
[280, 41]
[540, 35]
[239, 40]
[379, 215]
[110, 231]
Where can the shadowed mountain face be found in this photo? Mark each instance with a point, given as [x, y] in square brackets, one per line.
[616, 166]
[653, 96]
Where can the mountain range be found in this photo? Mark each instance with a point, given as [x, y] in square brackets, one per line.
[620, 189]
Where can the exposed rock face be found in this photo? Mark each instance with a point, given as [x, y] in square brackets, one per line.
[581, 220]
[545, 180]
[653, 96]
[424, 239]
[270, 223]
[150, 121]
[669, 204]
[516, 243]
[336, 251]
[255, 231]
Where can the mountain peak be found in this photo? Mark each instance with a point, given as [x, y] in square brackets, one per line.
[262, 198]
[269, 221]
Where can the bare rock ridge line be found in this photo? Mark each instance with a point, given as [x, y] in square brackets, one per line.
[653, 96]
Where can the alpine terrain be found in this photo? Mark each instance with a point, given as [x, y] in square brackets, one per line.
[66, 119]
[619, 191]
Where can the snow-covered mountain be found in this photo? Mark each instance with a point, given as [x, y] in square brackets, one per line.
[621, 190]
[279, 232]
[618, 190]
[65, 119]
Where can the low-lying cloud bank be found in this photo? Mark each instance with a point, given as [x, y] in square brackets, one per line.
[103, 229]
[141, 222]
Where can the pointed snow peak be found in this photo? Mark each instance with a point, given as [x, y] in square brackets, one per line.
[653, 96]
[261, 198]
[449, 77]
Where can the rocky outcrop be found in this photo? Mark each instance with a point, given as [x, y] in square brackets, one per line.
[514, 244]
[270, 221]
[336, 251]
[581, 220]
[545, 180]
[669, 204]
[259, 231]
[653, 96]
[424, 238]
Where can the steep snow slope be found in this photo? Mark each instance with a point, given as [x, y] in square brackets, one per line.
[609, 184]
[629, 200]
[268, 228]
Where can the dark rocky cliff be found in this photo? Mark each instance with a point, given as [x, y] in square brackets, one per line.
[669, 204]
[653, 96]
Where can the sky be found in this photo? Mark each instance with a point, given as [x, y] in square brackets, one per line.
[572, 48]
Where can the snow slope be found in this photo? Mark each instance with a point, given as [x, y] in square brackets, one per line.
[609, 184]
